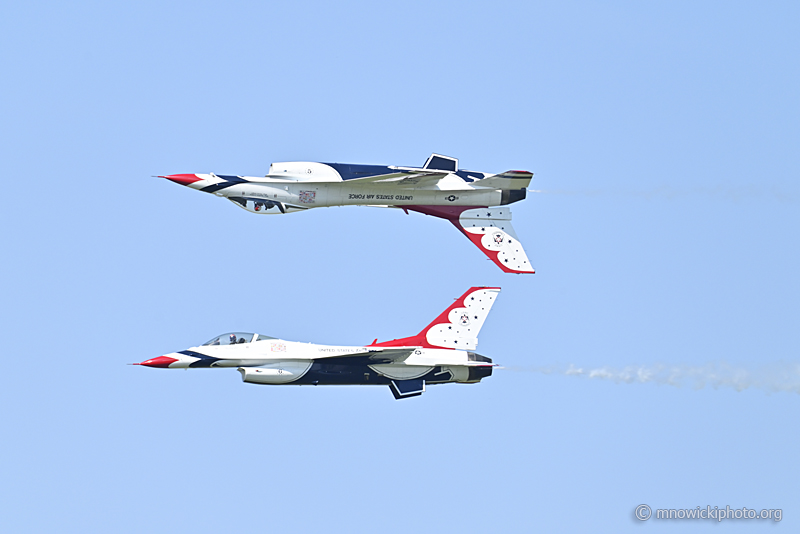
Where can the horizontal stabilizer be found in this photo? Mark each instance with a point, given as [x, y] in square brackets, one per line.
[506, 180]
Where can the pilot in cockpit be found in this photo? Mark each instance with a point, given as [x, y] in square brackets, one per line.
[233, 339]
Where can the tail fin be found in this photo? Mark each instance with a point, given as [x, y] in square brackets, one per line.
[490, 229]
[457, 327]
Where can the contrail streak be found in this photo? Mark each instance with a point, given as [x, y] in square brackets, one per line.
[775, 377]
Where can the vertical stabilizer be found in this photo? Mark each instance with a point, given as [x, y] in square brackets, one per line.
[489, 229]
[457, 327]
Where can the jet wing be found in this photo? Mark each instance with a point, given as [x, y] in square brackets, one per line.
[491, 231]
[424, 178]
[377, 354]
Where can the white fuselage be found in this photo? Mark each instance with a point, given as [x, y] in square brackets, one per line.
[299, 195]
[317, 195]
[440, 353]
[276, 361]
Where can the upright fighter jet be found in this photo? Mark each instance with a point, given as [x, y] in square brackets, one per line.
[442, 352]
[472, 201]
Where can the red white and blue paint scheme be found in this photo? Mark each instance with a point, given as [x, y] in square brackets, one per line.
[442, 352]
[473, 201]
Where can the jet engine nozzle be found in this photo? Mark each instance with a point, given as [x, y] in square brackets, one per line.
[509, 196]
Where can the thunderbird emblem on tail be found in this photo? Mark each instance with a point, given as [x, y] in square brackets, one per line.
[477, 210]
[442, 352]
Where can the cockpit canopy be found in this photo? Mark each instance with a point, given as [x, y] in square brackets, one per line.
[234, 338]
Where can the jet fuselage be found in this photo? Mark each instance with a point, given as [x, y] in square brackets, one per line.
[442, 352]
[474, 202]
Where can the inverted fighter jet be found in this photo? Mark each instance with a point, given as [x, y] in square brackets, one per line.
[442, 352]
[467, 199]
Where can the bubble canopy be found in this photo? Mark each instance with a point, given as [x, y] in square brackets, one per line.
[235, 338]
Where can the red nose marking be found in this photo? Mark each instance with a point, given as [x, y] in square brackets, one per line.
[183, 179]
[161, 361]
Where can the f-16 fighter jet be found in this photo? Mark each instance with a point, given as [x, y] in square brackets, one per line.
[441, 353]
[467, 199]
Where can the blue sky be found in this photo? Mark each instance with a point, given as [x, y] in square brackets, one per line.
[664, 136]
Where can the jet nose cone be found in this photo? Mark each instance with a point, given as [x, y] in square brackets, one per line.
[183, 179]
[161, 361]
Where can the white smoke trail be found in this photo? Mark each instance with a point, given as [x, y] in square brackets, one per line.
[730, 193]
[774, 378]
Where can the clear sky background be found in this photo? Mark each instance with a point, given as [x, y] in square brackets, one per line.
[664, 134]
